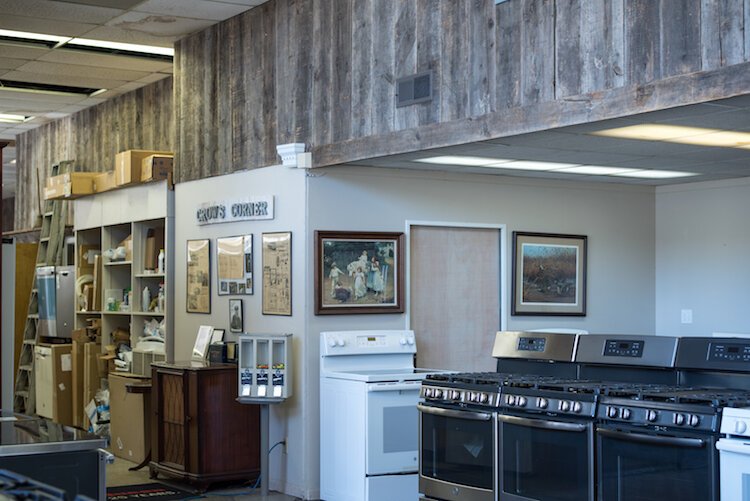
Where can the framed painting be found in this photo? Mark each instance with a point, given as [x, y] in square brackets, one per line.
[198, 276]
[549, 274]
[235, 315]
[277, 273]
[358, 272]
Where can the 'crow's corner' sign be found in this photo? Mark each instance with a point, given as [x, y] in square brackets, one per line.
[229, 211]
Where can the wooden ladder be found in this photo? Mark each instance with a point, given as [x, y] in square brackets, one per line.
[49, 253]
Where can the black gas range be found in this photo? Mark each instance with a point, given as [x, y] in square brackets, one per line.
[583, 417]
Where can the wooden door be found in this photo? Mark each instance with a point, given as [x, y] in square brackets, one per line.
[455, 296]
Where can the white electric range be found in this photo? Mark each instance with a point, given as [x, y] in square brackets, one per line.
[369, 389]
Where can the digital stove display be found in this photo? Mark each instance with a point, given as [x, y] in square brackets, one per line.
[531, 343]
[623, 348]
[729, 352]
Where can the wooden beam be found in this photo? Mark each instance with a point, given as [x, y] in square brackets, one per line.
[681, 90]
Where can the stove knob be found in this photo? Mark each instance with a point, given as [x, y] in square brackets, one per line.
[456, 395]
[522, 401]
[510, 400]
[484, 398]
[651, 415]
[332, 342]
[341, 342]
[612, 412]
[427, 392]
[410, 341]
[403, 341]
[694, 420]
[577, 407]
[565, 406]
[625, 414]
[542, 403]
[438, 393]
[740, 427]
[679, 419]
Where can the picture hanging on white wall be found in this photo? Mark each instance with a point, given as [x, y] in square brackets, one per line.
[277, 273]
[234, 265]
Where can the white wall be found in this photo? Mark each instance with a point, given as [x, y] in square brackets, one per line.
[288, 187]
[619, 222]
[702, 256]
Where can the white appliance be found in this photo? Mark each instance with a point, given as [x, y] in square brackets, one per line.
[734, 455]
[369, 389]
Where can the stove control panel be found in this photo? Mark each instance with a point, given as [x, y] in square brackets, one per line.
[736, 422]
[531, 344]
[623, 348]
[729, 352]
[459, 396]
[547, 404]
[655, 417]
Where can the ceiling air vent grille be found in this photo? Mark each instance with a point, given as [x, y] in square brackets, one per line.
[414, 89]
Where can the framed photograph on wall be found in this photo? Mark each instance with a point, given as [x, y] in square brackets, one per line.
[234, 265]
[236, 323]
[277, 273]
[549, 274]
[198, 276]
[358, 272]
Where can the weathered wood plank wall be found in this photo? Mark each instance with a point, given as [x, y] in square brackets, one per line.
[141, 119]
[324, 73]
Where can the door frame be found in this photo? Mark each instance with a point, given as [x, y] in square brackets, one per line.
[504, 304]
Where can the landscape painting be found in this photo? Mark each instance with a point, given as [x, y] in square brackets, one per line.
[549, 274]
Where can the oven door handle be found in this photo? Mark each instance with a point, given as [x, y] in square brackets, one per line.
[652, 439]
[394, 387]
[439, 411]
[734, 445]
[546, 425]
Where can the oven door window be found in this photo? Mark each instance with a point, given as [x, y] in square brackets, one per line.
[636, 465]
[545, 460]
[392, 429]
[457, 450]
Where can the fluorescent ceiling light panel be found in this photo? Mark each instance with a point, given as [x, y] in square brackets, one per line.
[698, 136]
[461, 160]
[656, 174]
[12, 119]
[532, 165]
[146, 49]
[33, 36]
[595, 170]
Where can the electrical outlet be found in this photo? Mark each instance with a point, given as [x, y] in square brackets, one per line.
[686, 316]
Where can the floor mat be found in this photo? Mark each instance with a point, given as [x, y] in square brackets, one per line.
[147, 491]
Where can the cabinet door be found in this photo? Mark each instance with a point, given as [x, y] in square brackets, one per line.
[172, 420]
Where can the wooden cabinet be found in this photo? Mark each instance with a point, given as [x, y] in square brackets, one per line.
[200, 433]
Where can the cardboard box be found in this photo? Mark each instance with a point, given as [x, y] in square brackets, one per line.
[70, 185]
[156, 167]
[128, 165]
[105, 181]
[91, 380]
[97, 283]
[130, 416]
[54, 382]
[86, 259]
[80, 339]
[128, 244]
[154, 243]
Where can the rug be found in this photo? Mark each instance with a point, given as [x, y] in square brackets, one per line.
[147, 491]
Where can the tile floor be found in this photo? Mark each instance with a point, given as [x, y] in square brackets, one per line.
[118, 474]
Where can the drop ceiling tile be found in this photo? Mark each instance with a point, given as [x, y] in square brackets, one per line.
[62, 11]
[70, 56]
[74, 70]
[16, 51]
[150, 29]
[196, 9]
[128, 87]
[7, 63]
[153, 77]
[115, 4]
[738, 101]
[73, 108]
[736, 119]
[29, 22]
[41, 98]
[91, 101]
[69, 80]
[27, 108]
[249, 3]
[684, 113]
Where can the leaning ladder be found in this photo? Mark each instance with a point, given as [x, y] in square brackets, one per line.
[49, 253]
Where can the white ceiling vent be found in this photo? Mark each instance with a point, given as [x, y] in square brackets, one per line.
[414, 89]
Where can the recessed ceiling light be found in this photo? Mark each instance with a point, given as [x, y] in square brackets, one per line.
[656, 174]
[25, 35]
[56, 42]
[42, 88]
[594, 170]
[12, 119]
[460, 160]
[698, 136]
[532, 165]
